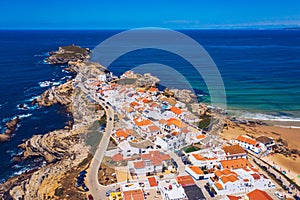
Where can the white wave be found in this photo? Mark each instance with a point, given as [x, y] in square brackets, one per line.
[287, 126]
[263, 117]
[49, 83]
[24, 115]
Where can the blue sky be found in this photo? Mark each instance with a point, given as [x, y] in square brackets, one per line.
[96, 14]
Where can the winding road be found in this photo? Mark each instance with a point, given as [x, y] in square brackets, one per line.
[97, 190]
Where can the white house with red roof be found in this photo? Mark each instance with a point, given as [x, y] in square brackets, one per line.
[232, 181]
[249, 143]
[149, 163]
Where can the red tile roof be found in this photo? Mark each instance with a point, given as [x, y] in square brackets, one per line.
[219, 186]
[186, 180]
[235, 163]
[152, 181]
[134, 194]
[247, 139]
[234, 149]
[258, 195]
[139, 165]
[176, 110]
[196, 170]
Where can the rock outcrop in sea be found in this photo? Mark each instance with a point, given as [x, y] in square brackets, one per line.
[11, 126]
[68, 53]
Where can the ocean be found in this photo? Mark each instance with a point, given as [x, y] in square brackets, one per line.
[260, 70]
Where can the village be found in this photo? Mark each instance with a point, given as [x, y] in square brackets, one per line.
[159, 152]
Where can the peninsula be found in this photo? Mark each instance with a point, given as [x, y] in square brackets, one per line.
[130, 140]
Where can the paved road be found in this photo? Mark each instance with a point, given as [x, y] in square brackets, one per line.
[97, 190]
[177, 159]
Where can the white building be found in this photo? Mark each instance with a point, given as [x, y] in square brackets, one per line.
[150, 163]
[171, 190]
[249, 143]
[227, 182]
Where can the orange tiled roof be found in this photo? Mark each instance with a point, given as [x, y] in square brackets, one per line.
[234, 149]
[247, 140]
[235, 163]
[133, 104]
[153, 89]
[121, 133]
[258, 195]
[230, 197]
[185, 180]
[176, 110]
[176, 122]
[152, 181]
[196, 169]
[226, 175]
[144, 122]
[219, 186]
[198, 157]
[134, 194]
[201, 136]
[229, 178]
[139, 165]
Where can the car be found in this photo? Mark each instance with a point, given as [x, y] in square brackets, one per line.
[285, 187]
[279, 195]
[106, 107]
[82, 172]
[296, 197]
[108, 193]
[85, 188]
[264, 168]
[78, 184]
[110, 119]
[90, 197]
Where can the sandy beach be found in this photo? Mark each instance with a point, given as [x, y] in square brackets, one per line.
[290, 135]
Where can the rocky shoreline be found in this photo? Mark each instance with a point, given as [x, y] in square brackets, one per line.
[63, 150]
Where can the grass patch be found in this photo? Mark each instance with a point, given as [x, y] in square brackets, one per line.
[204, 121]
[190, 149]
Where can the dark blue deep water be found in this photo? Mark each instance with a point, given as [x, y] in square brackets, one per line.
[260, 70]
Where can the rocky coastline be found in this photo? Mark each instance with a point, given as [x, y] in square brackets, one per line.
[63, 150]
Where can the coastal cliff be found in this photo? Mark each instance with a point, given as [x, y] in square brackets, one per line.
[61, 94]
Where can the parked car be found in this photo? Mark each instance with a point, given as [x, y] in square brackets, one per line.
[108, 193]
[296, 197]
[85, 188]
[90, 197]
[279, 195]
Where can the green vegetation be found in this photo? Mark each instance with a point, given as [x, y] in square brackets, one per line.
[204, 121]
[190, 149]
[75, 49]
